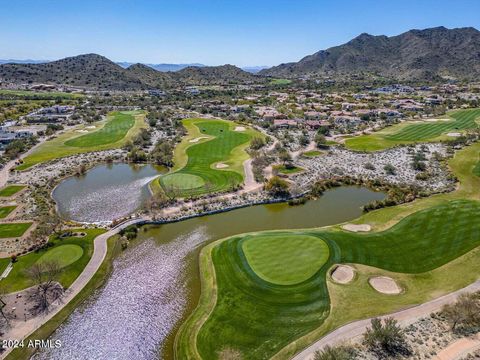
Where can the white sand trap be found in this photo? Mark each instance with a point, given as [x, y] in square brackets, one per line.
[240, 128]
[343, 274]
[82, 131]
[454, 134]
[221, 166]
[357, 227]
[90, 127]
[385, 285]
[198, 139]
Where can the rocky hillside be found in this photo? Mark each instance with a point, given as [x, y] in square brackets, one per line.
[414, 55]
[210, 75]
[93, 71]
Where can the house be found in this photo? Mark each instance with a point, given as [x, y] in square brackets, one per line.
[285, 123]
[51, 114]
[315, 115]
[316, 124]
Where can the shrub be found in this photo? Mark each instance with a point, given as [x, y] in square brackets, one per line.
[386, 337]
[341, 352]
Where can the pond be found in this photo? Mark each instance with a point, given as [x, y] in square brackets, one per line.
[105, 193]
[154, 284]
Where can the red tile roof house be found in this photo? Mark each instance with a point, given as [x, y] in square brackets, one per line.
[315, 124]
[285, 123]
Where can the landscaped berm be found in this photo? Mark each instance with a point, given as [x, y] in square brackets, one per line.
[209, 159]
[458, 121]
[267, 294]
[112, 133]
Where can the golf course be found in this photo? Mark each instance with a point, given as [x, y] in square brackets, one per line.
[456, 122]
[111, 133]
[72, 254]
[271, 294]
[209, 159]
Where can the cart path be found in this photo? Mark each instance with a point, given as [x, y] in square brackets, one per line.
[405, 317]
[23, 329]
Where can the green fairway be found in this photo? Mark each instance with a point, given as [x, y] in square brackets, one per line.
[112, 133]
[242, 309]
[268, 256]
[476, 169]
[64, 255]
[280, 81]
[72, 253]
[312, 153]
[114, 130]
[11, 190]
[208, 142]
[407, 133]
[38, 95]
[282, 169]
[10, 230]
[6, 210]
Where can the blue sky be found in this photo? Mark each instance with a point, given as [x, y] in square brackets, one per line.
[212, 32]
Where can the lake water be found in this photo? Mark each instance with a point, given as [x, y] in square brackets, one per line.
[154, 284]
[105, 193]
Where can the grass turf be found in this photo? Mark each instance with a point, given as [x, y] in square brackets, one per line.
[407, 133]
[429, 257]
[268, 255]
[193, 172]
[476, 169]
[6, 210]
[282, 169]
[64, 250]
[113, 133]
[280, 81]
[11, 190]
[259, 317]
[312, 153]
[64, 255]
[11, 230]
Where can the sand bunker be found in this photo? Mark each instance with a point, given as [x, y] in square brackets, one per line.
[357, 227]
[221, 166]
[240, 128]
[454, 134]
[90, 127]
[82, 131]
[198, 139]
[385, 285]
[343, 274]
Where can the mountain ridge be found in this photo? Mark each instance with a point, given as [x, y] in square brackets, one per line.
[413, 55]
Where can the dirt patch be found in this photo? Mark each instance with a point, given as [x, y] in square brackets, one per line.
[357, 227]
[198, 139]
[343, 274]
[240, 128]
[221, 166]
[385, 285]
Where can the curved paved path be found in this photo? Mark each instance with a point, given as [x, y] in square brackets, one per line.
[404, 317]
[23, 329]
[460, 348]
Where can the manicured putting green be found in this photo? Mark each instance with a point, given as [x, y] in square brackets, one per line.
[11, 190]
[10, 230]
[113, 131]
[6, 210]
[284, 259]
[64, 255]
[415, 132]
[182, 181]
